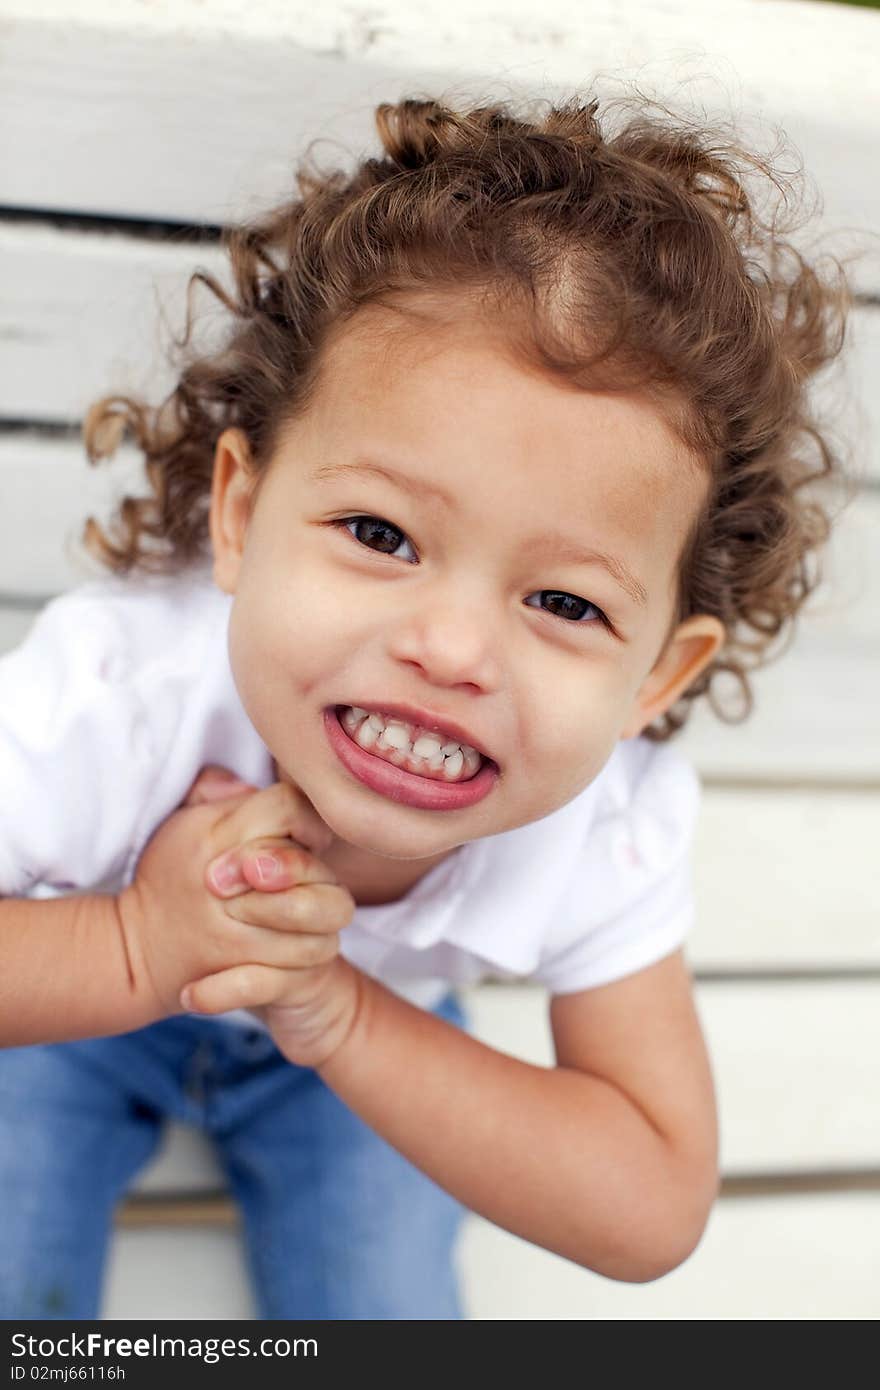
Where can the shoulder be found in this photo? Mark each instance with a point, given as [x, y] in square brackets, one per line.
[650, 793]
[141, 611]
[110, 630]
[92, 704]
[628, 895]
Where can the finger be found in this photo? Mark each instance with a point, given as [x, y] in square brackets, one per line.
[215, 783]
[291, 950]
[268, 865]
[309, 907]
[241, 987]
[277, 811]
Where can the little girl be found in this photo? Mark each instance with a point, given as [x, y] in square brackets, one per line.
[499, 466]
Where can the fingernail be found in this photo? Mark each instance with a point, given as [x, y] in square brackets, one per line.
[267, 867]
[225, 873]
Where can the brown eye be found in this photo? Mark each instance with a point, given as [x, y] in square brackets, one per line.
[374, 533]
[570, 607]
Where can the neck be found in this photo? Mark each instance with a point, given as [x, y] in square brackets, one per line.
[372, 878]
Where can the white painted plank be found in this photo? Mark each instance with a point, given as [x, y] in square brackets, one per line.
[86, 313]
[791, 1258]
[177, 1274]
[48, 489]
[786, 880]
[816, 709]
[218, 123]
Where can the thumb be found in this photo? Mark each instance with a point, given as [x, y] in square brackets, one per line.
[215, 784]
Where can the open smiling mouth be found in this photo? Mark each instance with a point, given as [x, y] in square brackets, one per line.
[406, 763]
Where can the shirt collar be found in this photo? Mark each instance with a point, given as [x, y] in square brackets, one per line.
[492, 895]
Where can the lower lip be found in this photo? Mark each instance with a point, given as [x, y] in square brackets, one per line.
[406, 787]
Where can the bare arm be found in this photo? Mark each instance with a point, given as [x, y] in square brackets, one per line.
[64, 971]
[96, 963]
[608, 1159]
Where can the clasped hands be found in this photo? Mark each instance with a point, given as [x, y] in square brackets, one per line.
[231, 907]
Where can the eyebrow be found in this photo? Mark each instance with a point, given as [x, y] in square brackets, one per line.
[568, 552]
[565, 550]
[391, 475]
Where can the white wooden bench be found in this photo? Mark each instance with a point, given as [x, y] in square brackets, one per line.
[132, 125]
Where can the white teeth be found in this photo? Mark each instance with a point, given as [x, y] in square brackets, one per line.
[453, 764]
[366, 735]
[471, 761]
[394, 736]
[427, 747]
[427, 755]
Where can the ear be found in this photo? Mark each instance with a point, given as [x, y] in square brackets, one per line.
[231, 506]
[691, 647]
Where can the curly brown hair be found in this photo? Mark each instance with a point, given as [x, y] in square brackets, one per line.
[613, 259]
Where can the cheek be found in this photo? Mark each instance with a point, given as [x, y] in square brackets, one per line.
[570, 729]
[288, 635]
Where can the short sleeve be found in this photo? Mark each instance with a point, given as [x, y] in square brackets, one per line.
[630, 902]
[75, 749]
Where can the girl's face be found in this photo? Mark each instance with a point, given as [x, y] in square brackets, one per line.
[454, 537]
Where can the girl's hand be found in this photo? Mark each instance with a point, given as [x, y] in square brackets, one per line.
[309, 1007]
[240, 946]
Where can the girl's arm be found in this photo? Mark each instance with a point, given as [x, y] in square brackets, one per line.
[65, 970]
[91, 964]
[609, 1159]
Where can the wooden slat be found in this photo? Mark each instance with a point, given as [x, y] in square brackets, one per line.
[183, 1272]
[154, 1211]
[790, 1258]
[786, 881]
[150, 1212]
[86, 313]
[48, 490]
[219, 123]
[815, 715]
[218, 1209]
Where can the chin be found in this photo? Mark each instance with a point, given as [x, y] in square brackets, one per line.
[364, 832]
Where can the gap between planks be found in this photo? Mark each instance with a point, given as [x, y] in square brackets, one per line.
[218, 1209]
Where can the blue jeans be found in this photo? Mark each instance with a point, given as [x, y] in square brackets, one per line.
[337, 1224]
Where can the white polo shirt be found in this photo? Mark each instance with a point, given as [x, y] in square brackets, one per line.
[122, 691]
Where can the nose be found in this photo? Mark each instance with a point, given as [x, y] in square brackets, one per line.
[453, 640]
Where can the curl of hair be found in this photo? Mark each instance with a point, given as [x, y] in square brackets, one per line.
[614, 258]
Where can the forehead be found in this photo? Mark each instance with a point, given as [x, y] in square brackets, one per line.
[432, 340]
[444, 396]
